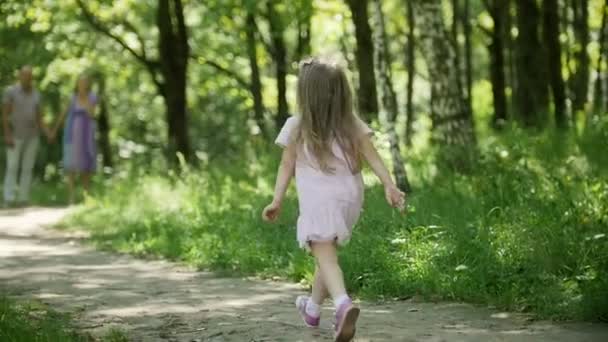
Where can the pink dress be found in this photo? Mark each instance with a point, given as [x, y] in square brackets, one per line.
[330, 203]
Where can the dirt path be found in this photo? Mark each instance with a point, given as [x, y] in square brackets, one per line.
[161, 301]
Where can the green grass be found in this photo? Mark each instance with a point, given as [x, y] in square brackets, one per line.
[526, 230]
[47, 193]
[35, 322]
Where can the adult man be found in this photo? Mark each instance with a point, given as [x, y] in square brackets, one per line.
[22, 122]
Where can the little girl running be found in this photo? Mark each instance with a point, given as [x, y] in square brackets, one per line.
[323, 148]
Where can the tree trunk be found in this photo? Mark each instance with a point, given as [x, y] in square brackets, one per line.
[303, 25]
[598, 91]
[103, 123]
[364, 55]
[510, 53]
[580, 78]
[279, 53]
[498, 12]
[388, 98]
[566, 22]
[554, 54]
[255, 82]
[461, 17]
[456, 20]
[468, 57]
[168, 72]
[532, 90]
[411, 72]
[453, 129]
[174, 52]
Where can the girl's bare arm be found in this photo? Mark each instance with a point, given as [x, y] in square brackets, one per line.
[285, 173]
[375, 162]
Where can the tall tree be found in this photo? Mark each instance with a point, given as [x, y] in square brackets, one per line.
[453, 129]
[364, 55]
[460, 17]
[174, 53]
[255, 85]
[579, 84]
[456, 22]
[278, 50]
[410, 54]
[103, 121]
[510, 53]
[599, 91]
[554, 54]
[388, 98]
[168, 71]
[468, 55]
[532, 86]
[303, 21]
[498, 10]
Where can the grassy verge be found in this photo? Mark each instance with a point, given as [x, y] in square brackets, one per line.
[33, 321]
[527, 230]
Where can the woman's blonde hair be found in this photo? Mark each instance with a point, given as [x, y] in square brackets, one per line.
[325, 103]
[87, 78]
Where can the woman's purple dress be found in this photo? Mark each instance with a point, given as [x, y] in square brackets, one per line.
[79, 148]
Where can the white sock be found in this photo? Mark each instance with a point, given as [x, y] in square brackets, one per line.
[341, 300]
[313, 309]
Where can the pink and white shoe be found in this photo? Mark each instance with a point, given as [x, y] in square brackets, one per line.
[310, 321]
[346, 319]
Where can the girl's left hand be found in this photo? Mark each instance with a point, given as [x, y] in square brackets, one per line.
[271, 212]
[395, 197]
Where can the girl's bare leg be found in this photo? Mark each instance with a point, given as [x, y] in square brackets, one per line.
[319, 290]
[330, 273]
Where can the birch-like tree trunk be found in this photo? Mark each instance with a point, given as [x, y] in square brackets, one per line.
[411, 72]
[599, 90]
[387, 96]
[468, 54]
[453, 129]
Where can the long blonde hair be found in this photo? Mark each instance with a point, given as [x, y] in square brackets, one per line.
[325, 103]
[85, 77]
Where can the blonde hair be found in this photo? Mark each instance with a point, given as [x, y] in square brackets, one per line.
[87, 78]
[325, 103]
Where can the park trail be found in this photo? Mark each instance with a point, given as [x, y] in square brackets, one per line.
[164, 301]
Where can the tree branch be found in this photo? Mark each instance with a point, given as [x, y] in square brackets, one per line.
[97, 25]
[230, 73]
[265, 41]
[140, 39]
[182, 31]
[151, 65]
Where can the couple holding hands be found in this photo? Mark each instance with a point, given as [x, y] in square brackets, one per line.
[22, 124]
